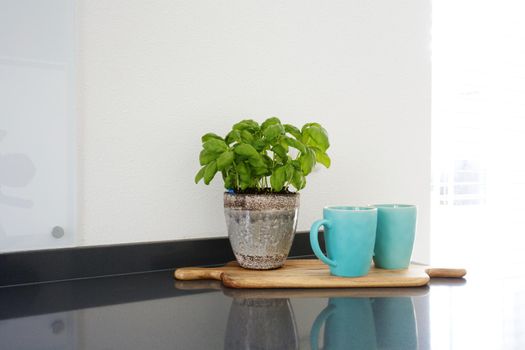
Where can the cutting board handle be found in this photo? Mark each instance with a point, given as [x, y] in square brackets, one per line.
[198, 273]
[437, 272]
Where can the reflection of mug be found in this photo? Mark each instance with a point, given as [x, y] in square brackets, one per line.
[350, 234]
[261, 324]
[349, 325]
[396, 229]
[367, 323]
[395, 323]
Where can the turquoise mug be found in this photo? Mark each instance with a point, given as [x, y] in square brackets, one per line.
[350, 235]
[396, 230]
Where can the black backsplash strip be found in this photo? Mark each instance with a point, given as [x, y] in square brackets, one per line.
[86, 262]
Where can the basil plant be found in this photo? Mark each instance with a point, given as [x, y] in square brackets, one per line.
[264, 158]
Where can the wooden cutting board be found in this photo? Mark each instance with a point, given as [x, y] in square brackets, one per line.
[312, 273]
[284, 293]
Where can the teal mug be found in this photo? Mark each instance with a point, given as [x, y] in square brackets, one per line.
[396, 231]
[350, 235]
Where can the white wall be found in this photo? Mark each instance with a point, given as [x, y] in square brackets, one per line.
[156, 75]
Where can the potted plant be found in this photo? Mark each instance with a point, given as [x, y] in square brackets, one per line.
[259, 165]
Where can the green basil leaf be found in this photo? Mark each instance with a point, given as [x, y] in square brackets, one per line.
[247, 124]
[200, 175]
[307, 161]
[215, 146]
[209, 172]
[244, 175]
[296, 164]
[233, 136]
[260, 171]
[292, 130]
[322, 158]
[246, 150]
[257, 161]
[280, 152]
[298, 180]
[210, 136]
[296, 144]
[268, 161]
[284, 144]
[273, 132]
[278, 179]
[289, 169]
[225, 160]
[316, 136]
[206, 157]
[270, 121]
[259, 145]
[229, 181]
[307, 125]
[246, 136]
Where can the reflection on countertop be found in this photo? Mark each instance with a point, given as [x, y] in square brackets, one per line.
[151, 311]
[382, 318]
[367, 323]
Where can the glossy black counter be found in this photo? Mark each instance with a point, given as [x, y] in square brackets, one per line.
[152, 311]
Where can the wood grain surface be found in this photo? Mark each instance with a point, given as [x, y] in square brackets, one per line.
[280, 293]
[312, 273]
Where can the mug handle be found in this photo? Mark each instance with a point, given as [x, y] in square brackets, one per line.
[314, 241]
[316, 327]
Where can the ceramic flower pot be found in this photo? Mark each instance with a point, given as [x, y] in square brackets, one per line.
[261, 227]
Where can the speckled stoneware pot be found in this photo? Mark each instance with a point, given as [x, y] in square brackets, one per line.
[261, 227]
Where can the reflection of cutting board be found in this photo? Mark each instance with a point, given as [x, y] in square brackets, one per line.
[312, 273]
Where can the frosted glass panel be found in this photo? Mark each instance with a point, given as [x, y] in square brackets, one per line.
[37, 139]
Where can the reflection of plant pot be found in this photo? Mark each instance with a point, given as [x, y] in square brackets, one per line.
[261, 227]
[395, 323]
[261, 324]
[349, 325]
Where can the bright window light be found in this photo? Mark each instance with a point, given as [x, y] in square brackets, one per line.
[478, 133]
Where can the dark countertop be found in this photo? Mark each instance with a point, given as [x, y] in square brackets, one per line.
[153, 311]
